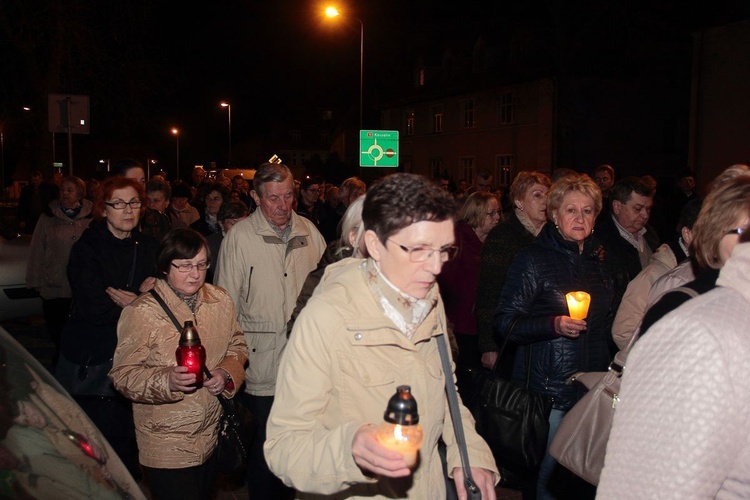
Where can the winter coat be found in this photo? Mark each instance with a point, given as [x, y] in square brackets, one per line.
[633, 303]
[500, 248]
[264, 276]
[175, 429]
[458, 281]
[54, 236]
[534, 295]
[344, 360]
[97, 261]
[682, 424]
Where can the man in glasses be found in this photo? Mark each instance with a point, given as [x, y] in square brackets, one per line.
[308, 203]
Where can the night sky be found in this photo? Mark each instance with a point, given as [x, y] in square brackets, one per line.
[151, 65]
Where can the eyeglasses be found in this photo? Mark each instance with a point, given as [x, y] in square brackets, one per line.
[186, 268]
[738, 230]
[494, 213]
[422, 254]
[313, 190]
[120, 205]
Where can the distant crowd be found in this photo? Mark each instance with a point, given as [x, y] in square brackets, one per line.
[318, 300]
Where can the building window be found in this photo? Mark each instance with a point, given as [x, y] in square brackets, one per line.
[410, 123]
[468, 114]
[437, 118]
[436, 167]
[296, 135]
[467, 167]
[420, 77]
[505, 108]
[503, 169]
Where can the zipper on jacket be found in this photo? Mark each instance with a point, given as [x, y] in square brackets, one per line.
[249, 281]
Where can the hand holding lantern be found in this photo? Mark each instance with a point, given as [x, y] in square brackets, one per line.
[401, 431]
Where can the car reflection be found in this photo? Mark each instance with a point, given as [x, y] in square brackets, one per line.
[48, 446]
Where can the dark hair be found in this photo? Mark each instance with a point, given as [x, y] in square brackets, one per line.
[399, 200]
[689, 214]
[232, 210]
[181, 190]
[121, 167]
[207, 189]
[625, 187]
[310, 180]
[110, 186]
[180, 243]
[158, 184]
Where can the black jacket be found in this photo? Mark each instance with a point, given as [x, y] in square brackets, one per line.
[621, 256]
[534, 295]
[97, 261]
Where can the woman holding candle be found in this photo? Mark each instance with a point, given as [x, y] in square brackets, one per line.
[564, 258]
[176, 424]
[371, 326]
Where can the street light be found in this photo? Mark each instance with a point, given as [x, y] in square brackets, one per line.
[225, 104]
[176, 134]
[333, 12]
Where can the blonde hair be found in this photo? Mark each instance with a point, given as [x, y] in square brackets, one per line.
[474, 209]
[725, 206]
[581, 183]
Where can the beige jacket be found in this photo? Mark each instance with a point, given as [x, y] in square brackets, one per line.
[633, 304]
[344, 360]
[54, 236]
[175, 430]
[264, 276]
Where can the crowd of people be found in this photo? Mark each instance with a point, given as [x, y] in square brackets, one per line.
[316, 301]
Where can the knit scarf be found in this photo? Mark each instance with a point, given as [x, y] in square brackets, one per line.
[406, 312]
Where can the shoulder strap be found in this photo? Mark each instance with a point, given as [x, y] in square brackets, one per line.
[166, 308]
[458, 428]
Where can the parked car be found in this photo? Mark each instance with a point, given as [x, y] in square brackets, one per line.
[16, 300]
[48, 446]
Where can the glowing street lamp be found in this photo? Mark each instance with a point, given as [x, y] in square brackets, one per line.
[225, 104]
[176, 134]
[332, 12]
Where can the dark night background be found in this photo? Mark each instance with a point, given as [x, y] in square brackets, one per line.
[151, 65]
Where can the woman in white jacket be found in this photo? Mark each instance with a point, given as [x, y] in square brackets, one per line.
[682, 426]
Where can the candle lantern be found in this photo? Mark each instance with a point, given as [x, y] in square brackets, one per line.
[578, 304]
[191, 352]
[400, 430]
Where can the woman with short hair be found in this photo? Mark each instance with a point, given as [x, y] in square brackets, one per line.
[176, 422]
[533, 311]
[59, 227]
[372, 325]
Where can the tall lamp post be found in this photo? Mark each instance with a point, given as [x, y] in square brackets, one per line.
[333, 12]
[225, 104]
[176, 134]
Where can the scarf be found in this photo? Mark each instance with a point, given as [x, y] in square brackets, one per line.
[527, 223]
[406, 312]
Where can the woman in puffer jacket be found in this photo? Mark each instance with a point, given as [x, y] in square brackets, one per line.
[564, 258]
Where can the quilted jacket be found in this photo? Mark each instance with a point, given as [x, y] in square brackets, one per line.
[534, 294]
[175, 429]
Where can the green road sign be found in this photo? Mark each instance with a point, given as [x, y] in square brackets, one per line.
[378, 148]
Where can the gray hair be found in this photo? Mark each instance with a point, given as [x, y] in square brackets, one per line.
[270, 172]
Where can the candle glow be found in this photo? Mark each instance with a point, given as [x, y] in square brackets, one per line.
[578, 304]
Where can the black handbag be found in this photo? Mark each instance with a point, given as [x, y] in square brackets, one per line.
[236, 428]
[236, 424]
[512, 419]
